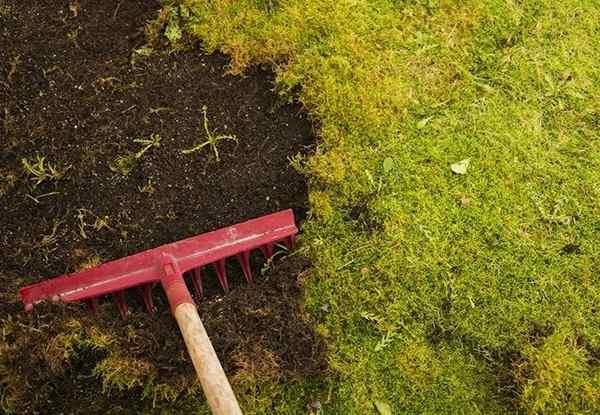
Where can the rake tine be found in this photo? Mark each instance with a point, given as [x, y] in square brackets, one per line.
[93, 304]
[120, 299]
[222, 274]
[244, 259]
[290, 242]
[147, 296]
[267, 250]
[197, 282]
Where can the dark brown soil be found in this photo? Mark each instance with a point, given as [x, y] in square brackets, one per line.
[71, 93]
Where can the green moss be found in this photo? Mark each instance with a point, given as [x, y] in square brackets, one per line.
[458, 270]
[559, 376]
[51, 351]
[321, 205]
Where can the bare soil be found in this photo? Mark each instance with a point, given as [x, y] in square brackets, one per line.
[73, 92]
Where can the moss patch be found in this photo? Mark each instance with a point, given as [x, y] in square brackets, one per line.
[459, 272]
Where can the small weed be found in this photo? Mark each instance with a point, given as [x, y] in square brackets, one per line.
[169, 23]
[153, 141]
[126, 163]
[212, 139]
[39, 170]
[175, 16]
[98, 224]
[148, 188]
[73, 35]
[89, 262]
[268, 264]
[51, 238]
[173, 31]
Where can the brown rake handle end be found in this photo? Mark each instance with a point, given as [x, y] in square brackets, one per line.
[217, 389]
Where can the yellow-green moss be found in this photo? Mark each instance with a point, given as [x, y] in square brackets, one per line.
[559, 376]
[460, 268]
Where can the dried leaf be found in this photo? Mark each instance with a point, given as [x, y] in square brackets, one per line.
[461, 167]
[388, 165]
[421, 124]
[383, 408]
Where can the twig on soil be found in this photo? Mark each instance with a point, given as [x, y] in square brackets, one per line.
[128, 109]
[114, 16]
[36, 199]
[158, 109]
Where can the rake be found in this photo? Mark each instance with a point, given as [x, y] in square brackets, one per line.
[170, 265]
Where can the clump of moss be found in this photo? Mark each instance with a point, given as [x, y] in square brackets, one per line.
[40, 170]
[558, 376]
[54, 342]
[321, 205]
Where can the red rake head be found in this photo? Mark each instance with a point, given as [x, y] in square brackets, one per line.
[187, 257]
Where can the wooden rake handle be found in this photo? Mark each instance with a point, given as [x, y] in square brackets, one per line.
[217, 389]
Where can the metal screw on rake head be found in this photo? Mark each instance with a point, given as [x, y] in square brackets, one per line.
[167, 265]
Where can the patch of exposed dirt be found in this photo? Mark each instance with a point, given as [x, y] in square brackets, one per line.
[72, 102]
